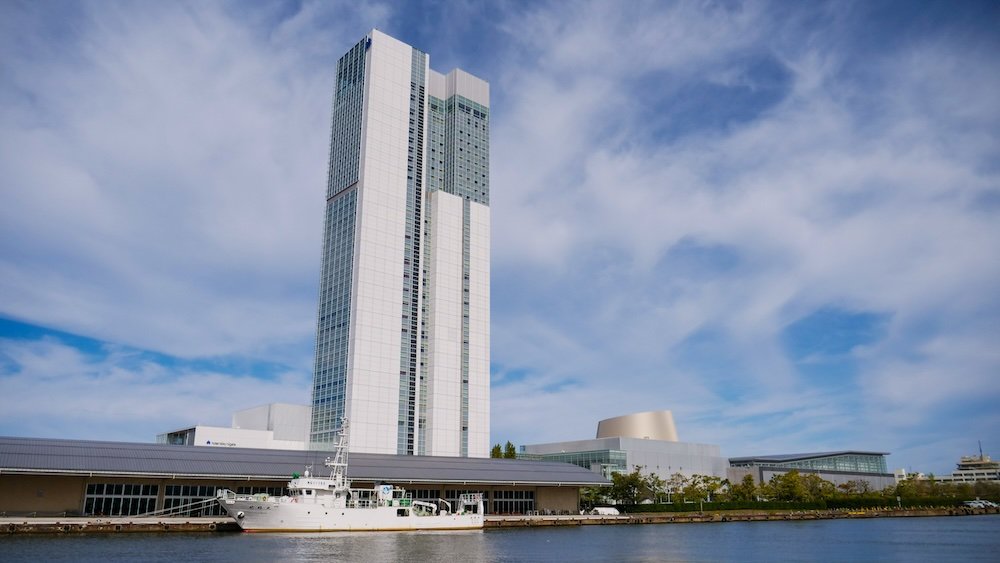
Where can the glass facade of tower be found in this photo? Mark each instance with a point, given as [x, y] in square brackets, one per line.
[401, 136]
[332, 328]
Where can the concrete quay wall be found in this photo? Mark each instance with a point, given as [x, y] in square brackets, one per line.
[76, 525]
[728, 516]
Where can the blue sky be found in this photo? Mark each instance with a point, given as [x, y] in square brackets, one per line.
[779, 220]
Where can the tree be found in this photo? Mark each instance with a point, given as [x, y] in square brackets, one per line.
[745, 490]
[654, 487]
[626, 488]
[509, 451]
[788, 486]
[818, 488]
[711, 485]
[591, 497]
[675, 486]
[986, 489]
[694, 489]
[496, 451]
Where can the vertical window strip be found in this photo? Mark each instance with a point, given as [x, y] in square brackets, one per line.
[333, 323]
[466, 240]
[407, 437]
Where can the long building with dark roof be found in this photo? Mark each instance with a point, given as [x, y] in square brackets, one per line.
[838, 467]
[82, 477]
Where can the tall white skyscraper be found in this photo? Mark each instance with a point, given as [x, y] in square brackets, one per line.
[403, 332]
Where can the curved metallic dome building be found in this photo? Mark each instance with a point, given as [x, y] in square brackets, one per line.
[652, 425]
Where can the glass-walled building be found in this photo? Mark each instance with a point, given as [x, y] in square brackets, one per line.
[856, 462]
[403, 340]
[837, 467]
[604, 462]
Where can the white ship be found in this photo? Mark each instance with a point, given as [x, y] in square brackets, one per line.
[318, 504]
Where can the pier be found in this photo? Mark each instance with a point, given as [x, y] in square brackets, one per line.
[519, 521]
[105, 525]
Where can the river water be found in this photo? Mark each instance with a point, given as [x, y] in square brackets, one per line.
[965, 538]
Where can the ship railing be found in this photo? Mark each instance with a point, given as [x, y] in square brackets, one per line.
[230, 497]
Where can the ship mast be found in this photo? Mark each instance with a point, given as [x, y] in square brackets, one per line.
[338, 465]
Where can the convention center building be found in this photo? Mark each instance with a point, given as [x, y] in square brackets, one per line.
[44, 477]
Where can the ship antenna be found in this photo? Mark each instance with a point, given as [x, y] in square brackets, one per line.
[338, 465]
[980, 450]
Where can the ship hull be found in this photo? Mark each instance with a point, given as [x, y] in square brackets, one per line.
[267, 516]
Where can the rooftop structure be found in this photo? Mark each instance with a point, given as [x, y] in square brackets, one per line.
[653, 425]
[275, 426]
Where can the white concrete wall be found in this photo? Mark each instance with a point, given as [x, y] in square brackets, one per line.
[219, 437]
[286, 420]
[466, 85]
[458, 82]
[373, 394]
[666, 458]
[253, 418]
[444, 326]
[289, 422]
[437, 85]
[479, 331]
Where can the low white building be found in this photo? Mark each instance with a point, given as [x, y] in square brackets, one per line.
[277, 426]
[972, 469]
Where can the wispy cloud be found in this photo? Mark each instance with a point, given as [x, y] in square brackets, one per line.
[677, 188]
[850, 186]
[55, 389]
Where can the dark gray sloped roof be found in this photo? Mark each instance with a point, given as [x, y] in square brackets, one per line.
[56, 456]
[785, 458]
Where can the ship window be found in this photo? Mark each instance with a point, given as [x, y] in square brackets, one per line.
[401, 512]
[309, 492]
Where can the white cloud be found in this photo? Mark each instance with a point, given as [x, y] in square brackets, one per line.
[52, 388]
[166, 186]
[823, 199]
[659, 174]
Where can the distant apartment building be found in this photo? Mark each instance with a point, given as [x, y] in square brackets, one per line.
[403, 326]
[972, 469]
